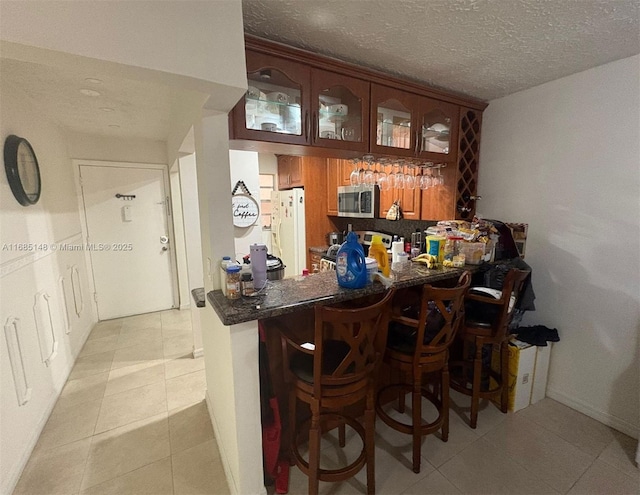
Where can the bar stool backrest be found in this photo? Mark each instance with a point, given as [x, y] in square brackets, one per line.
[358, 330]
[513, 283]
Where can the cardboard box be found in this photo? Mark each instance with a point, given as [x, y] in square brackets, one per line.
[541, 373]
[528, 373]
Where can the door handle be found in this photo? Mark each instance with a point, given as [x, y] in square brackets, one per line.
[165, 248]
[164, 239]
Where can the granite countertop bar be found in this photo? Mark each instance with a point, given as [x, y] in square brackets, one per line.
[285, 296]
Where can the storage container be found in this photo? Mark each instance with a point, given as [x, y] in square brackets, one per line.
[473, 252]
[372, 268]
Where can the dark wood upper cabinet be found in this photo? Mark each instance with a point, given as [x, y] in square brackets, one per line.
[340, 111]
[303, 104]
[437, 130]
[411, 125]
[393, 121]
[276, 107]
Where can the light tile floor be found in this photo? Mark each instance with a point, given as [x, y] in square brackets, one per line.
[132, 419]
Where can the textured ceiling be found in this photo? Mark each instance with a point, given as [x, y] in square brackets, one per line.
[482, 48]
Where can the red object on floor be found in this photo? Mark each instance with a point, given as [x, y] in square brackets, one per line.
[271, 439]
[271, 430]
[282, 477]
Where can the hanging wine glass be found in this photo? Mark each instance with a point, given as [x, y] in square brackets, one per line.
[426, 180]
[439, 179]
[368, 177]
[381, 174]
[354, 178]
[409, 177]
[398, 176]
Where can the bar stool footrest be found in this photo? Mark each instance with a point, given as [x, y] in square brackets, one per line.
[332, 475]
[406, 427]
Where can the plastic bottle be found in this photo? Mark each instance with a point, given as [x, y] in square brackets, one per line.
[351, 269]
[379, 253]
[226, 261]
[258, 253]
[435, 246]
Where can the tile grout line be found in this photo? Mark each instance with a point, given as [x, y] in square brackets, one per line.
[86, 461]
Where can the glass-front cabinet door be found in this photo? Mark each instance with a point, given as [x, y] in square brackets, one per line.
[340, 111]
[393, 114]
[276, 105]
[438, 130]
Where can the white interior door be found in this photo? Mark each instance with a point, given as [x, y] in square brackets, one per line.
[126, 212]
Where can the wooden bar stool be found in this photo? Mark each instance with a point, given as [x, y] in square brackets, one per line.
[334, 372]
[420, 345]
[486, 323]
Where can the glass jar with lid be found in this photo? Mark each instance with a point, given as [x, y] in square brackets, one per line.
[233, 282]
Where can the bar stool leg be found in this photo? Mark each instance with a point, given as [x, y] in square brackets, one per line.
[341, 435]
[477, 375]
[401, 393]
[417, 420]
[292, 426]
[314, 449]
[504, 376]
[370, 431]
[445, 403]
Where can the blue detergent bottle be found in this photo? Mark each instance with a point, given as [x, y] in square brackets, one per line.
[351, 268]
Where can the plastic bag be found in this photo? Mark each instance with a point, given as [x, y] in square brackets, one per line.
[394, 213]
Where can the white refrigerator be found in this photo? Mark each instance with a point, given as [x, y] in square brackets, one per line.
[288, 230]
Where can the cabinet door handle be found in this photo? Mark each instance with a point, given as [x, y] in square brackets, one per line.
[314, 131]
[415, 152]
[306, 125]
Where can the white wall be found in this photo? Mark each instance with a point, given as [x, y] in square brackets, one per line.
[231, 353]
[565, 158]
[92, 147]
[244, 167]
[193, 240]
[54, 220]
[179, 242]
[194, 39]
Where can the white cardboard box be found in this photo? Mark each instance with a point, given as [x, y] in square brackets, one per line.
[528, 373]
[541, 373]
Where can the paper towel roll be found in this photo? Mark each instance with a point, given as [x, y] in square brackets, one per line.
[258, 256]
[397, 247]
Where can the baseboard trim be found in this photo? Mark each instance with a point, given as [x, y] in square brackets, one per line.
[231, 482]
[605, 418]
[198, 353]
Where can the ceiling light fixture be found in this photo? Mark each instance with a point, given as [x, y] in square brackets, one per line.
[93, 80]
[90, 92]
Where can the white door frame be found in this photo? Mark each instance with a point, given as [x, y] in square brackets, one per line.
[83, 220]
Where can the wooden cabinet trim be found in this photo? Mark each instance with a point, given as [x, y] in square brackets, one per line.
[327, 63]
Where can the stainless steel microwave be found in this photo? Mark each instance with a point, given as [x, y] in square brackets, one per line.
[358, 201]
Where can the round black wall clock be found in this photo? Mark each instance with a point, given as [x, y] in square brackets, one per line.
[23, 172]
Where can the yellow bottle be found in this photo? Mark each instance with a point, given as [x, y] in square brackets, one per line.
[379, 253]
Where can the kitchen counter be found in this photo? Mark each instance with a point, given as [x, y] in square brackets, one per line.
[286, 296]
